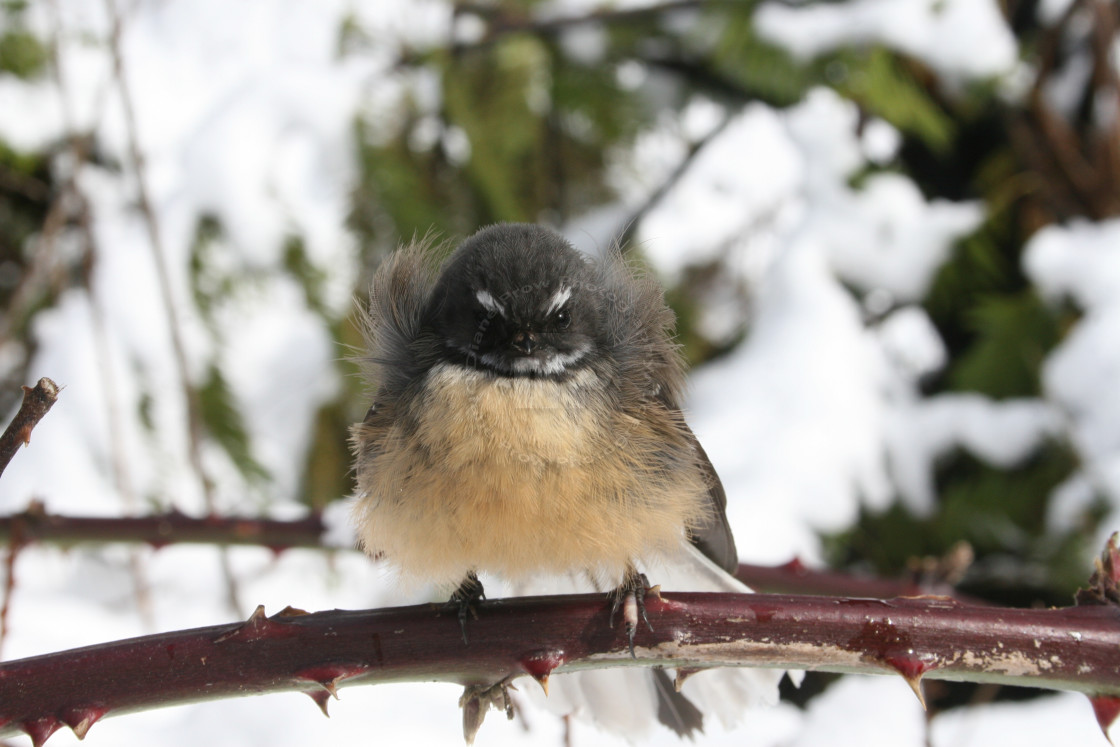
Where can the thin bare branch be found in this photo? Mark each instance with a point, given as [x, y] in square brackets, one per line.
[37, 401]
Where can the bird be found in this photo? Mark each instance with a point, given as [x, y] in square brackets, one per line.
[526, 422]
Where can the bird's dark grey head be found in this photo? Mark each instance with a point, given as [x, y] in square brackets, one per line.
[518, 300]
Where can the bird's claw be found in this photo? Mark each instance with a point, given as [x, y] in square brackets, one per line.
[630, 597]
[463, 600]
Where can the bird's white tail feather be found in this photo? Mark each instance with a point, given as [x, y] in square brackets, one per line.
[624, 700]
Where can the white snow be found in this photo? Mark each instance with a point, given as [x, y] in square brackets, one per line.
[961, 39]
[1077, 262]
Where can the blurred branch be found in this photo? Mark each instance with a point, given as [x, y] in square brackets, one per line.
[795, 578]
[37, 401]
[155, 242]
[1077, 156]
[66, 204]
[24, 184]
[158, 530]
[41, 267]
[35, 524]
[625, 238]
[1075, 649]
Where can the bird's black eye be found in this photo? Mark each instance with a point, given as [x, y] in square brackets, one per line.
[563, 318]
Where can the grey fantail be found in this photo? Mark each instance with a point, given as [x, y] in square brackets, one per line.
[526, 420]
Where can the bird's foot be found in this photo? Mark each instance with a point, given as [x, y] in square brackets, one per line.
[630, 597]
[463, 600]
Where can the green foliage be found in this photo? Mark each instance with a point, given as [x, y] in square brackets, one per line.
[22, 54]
[311, 278]
[1012, 335]
[207, 285]
[326, 475]
[215, 285]
[539, 126]
[881, 82]
[224, 424]
[996, 330]
[689, 299]
[999, 512]
[495, 99]
[400, 191]
[764, 71]
[25, 190]
[24, 193]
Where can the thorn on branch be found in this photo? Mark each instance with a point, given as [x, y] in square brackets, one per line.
[1106, 708]
[41, 729]
[81, 719]
[683, 673]
[911, 668]
[37, 401]
[322, 698]
[539, 666]
[258, 627]
[329, 676]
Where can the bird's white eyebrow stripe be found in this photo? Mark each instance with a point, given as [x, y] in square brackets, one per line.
[489, 302]
[559, 298]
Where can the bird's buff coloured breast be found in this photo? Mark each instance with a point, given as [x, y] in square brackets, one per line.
[518, 476]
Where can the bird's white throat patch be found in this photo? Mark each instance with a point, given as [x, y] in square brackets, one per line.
[548, 364]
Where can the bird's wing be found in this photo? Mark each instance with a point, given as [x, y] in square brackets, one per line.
[713, 537]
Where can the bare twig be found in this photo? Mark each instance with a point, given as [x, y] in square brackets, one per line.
[37, 401]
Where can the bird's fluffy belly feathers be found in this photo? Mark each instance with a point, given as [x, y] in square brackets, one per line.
[519, 475]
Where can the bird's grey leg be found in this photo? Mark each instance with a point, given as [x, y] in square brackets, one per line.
[463, 598]
[630, 597]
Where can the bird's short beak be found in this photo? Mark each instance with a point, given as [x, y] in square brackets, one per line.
[525, 342]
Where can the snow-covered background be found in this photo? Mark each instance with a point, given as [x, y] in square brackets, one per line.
[245, 112]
